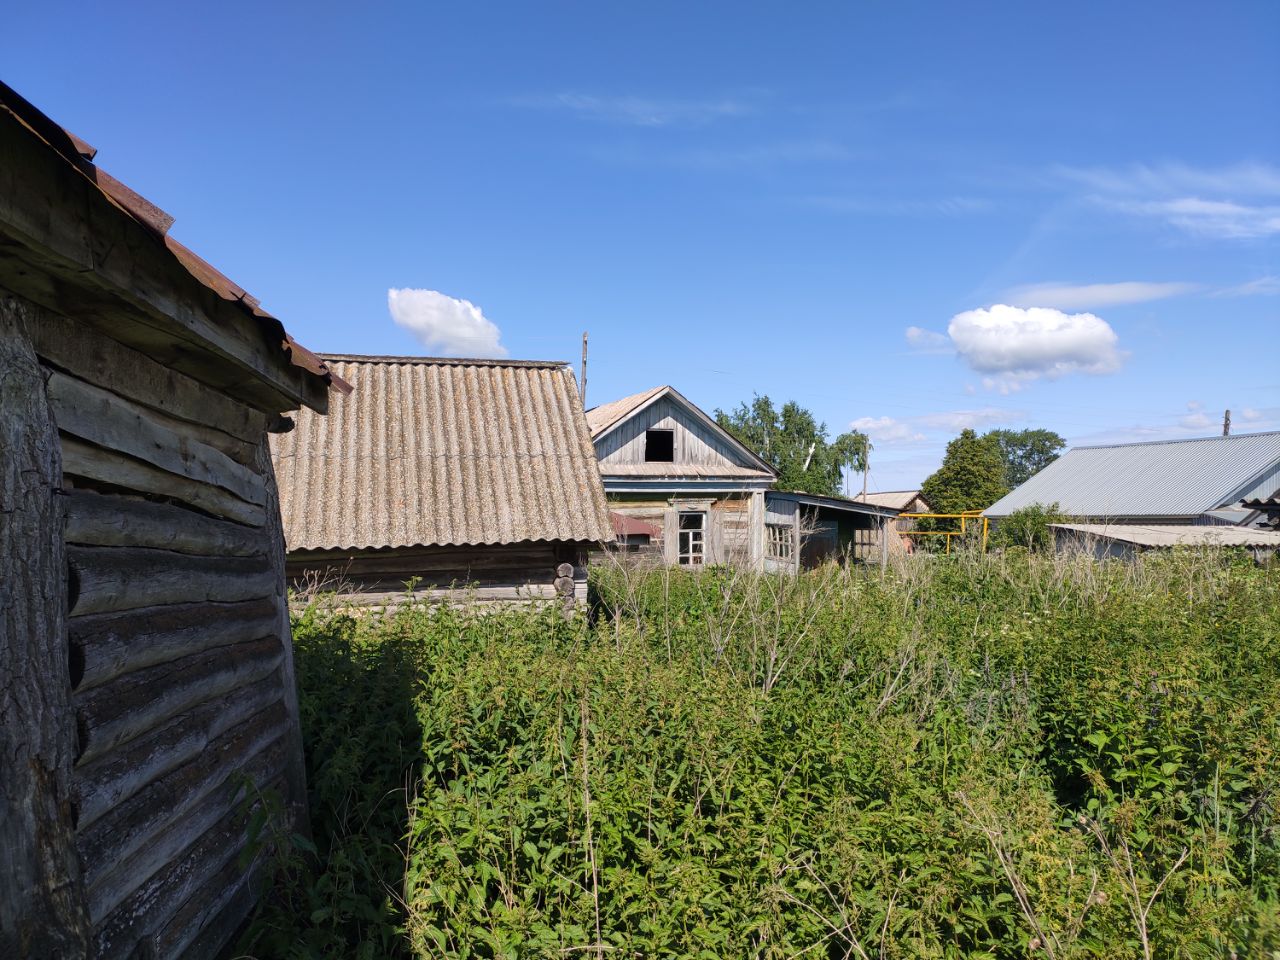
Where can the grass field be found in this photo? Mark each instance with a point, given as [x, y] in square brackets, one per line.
[977, 756]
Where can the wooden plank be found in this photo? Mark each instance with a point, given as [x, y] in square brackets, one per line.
[114, 271]
[105, 646]
[205, 925]
[143, 892]
[108, 579]
[80, 459]
[123, 831]
[42, 906]
[297, 812]
[85, 353]
[129, 706]
[111, 778]
[104, 520]
[107, 420]
[378, 596]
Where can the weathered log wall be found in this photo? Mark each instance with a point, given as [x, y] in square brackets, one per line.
[496, 572]
[173, 649]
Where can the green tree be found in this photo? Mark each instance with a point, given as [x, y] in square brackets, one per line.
[795, 444]
[1026, 452]
[1029, 527]
[972, 475]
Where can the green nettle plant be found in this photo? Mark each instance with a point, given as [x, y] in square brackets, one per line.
[1002, 755]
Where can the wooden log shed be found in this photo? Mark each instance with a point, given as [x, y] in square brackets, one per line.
[145, 656]
[470, 479]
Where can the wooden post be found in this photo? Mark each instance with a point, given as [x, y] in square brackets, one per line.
[582, 386]
[42, 901]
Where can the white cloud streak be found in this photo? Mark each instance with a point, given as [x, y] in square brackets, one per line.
[445, 325]
[1261, 287]
[1066, 296]
[893, 431]
[1230, 203]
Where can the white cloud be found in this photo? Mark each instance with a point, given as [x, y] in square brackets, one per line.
[928, 341]
[1016, 345]
[1218, 219]
[1234, 203]
[643, 111]
[1195, 418]
[887, 430]
[445, 325]
[1242, 179]
[906, 430]
[1067, 296]
[1262, 287]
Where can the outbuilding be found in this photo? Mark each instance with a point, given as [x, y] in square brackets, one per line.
[144, 634]
[452, 478]
[1198, 481]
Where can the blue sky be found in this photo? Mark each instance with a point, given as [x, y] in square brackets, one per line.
[911, 217]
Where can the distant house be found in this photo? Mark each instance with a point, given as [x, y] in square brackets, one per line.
[903, 501]
[144, 635]
[1200, 481]
[453, 474]
[709, 498]
[1124, 541]
[899, 501]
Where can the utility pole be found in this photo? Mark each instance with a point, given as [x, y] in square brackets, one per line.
[1226, 424]
[582, 380]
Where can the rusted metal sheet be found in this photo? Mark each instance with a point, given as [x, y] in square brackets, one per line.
[441, 452]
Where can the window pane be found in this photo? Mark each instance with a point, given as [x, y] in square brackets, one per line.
[659, 446]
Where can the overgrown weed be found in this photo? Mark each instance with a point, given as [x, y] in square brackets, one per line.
[972, 756]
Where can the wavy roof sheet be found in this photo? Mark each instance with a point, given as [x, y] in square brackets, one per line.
[429, 451]
[1176, 479]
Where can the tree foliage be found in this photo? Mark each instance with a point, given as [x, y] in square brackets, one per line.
[1029, 527]
[1026, 452]
[972, 475]
[795, 444]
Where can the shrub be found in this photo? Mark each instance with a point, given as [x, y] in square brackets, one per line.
[974, 756]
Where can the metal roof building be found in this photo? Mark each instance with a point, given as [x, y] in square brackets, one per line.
[448, 454]
[1166, 481]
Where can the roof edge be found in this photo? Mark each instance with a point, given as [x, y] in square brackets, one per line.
[444, 361]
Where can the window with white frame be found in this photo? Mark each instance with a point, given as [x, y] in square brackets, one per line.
[693, 529]
[780, 541]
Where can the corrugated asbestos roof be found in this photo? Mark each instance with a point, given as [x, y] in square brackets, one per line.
[1167, 478]
[893, 499]
[1175, 535]
[431, 451]
[80, 155]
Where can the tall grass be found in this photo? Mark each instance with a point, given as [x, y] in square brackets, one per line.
[973, 756]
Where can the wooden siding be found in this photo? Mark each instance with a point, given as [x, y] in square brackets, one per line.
[180, 667]
[695, 445]
[734, 531]
[527, 571]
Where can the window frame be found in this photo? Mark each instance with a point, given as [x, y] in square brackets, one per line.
[695, 555]
[779, 539]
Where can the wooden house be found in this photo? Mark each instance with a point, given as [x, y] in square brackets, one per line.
[464, 478]
[666, 463]
[144, 634]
